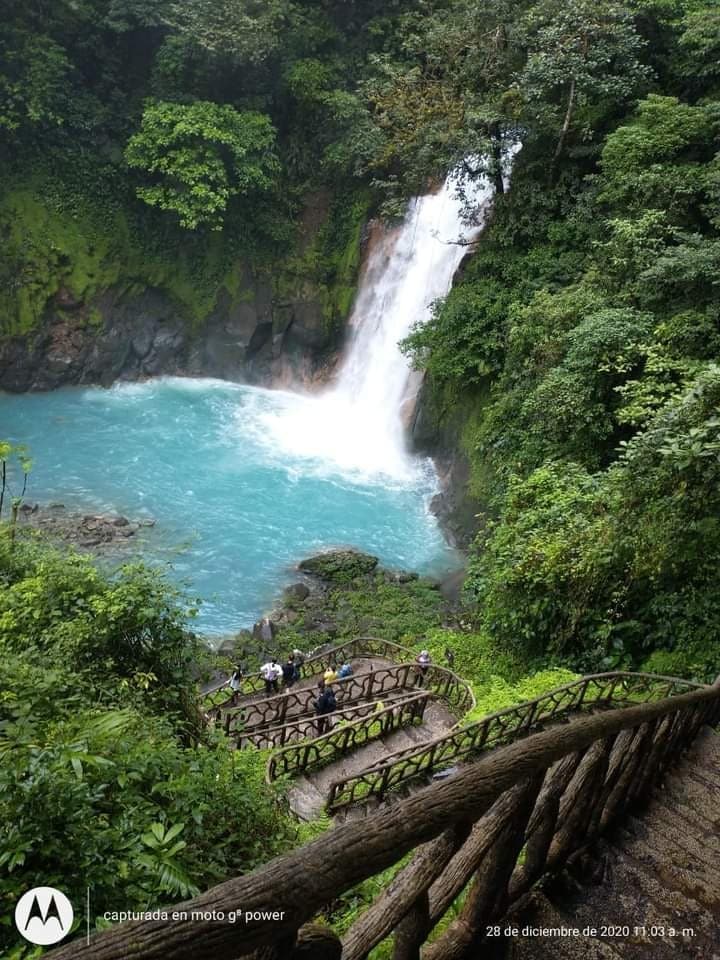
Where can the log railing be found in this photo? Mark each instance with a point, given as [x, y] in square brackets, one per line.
[451, 688]
[489, 832]
[317, 661]
[294, 703]
[605, 690]
[326, 748]
[372, 685]
[306, 727]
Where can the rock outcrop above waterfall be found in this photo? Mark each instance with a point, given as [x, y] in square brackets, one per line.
[273, 322]
[436, 432]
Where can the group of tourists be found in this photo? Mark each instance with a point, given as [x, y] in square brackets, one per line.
[342, 673]
[288, 673]
[273, 673]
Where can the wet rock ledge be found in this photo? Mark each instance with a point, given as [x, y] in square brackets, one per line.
[83, 530]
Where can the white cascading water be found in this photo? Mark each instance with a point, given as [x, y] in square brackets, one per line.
[356, 426]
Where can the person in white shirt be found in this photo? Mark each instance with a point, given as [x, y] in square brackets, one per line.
[423, 661]
[236, 683]
[271, 673]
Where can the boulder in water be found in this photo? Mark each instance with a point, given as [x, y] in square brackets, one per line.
[339, 566]
[86, 531]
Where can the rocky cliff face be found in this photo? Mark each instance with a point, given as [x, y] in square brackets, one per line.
[437, 433]
[256, 339]
[274, 324]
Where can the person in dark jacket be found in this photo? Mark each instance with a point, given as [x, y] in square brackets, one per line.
[290, 672]
[324, 706]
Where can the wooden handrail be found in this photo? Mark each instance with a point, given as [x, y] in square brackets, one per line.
[500, 727]
[316, 661]
[359, 686]
[549, 794]
[327, 747]
[304, 727]
[460, 696]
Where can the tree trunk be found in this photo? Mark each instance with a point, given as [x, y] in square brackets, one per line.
[412, 931]
[566, 122]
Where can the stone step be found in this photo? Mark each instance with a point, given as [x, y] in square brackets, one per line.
[398, 740]
[306, 801]
[666, 831]
[367, 756]
[419, 735]
[540, 913]
[642, 890]
[308, 804]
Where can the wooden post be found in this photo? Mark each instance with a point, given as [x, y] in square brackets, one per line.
[504, 831]
[412, 931]
[576, 805]
[411, 883]
[542, 825]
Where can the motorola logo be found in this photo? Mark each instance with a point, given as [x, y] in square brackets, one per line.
[44, 915]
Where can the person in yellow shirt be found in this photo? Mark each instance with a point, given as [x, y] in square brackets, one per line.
[330, 676]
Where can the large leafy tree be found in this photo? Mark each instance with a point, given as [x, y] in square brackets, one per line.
[197, 157]
[34, 80]
[580, 54]
[447, 100]
[247, 31]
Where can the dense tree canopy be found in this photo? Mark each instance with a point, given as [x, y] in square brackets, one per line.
[197, 156]
[583, 343]
[106, 778]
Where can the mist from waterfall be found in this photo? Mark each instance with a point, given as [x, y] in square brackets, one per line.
[355, 427]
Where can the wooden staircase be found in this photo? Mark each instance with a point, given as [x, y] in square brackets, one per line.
[599, 818]
[650, 890]
[309, 792]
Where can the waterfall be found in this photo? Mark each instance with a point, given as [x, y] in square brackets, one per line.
[356, 425]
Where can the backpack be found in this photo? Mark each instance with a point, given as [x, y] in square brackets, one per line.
[326, 702]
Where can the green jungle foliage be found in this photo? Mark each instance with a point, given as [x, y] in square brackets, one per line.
[105, 776]
[172, 145]
[582, 342]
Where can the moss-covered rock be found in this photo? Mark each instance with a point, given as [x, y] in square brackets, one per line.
[339, 566]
